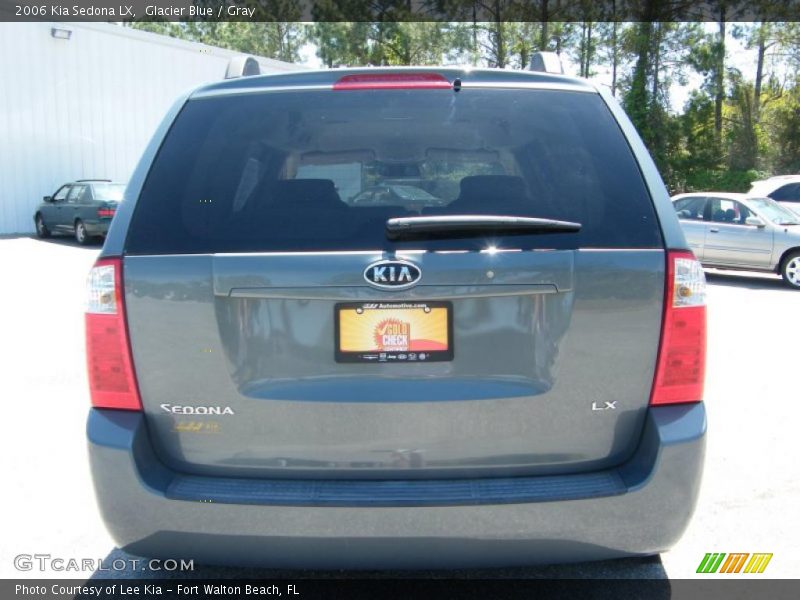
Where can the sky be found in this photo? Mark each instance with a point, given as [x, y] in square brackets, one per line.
[736, 57]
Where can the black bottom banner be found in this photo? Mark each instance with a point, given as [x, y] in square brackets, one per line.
[350, 588]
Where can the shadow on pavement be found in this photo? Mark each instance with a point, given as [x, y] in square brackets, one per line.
[748, 280]
[58, 240]
[649, 567]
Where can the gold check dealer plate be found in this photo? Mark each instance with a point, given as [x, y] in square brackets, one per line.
[394, 332]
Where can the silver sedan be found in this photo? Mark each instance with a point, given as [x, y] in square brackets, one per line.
[734, 231]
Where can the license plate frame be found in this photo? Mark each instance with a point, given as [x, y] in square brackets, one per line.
[415, 352]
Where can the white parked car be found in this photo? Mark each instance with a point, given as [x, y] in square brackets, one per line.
[784, 189]
[734, 231]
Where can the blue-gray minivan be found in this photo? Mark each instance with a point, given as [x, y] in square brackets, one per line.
[494, 356]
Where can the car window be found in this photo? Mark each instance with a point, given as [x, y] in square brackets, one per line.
[323, 171]
[61, 194]
[772, 211]
[724, 210]
[76, 193]
[787, 193]
[108, 192]
[690, 209]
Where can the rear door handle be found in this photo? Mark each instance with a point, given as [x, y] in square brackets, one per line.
[713, 230]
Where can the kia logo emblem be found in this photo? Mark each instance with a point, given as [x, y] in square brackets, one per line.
[392, 274]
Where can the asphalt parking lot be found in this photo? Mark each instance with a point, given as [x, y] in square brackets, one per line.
[750, 496]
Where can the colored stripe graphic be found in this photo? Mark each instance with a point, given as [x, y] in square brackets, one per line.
[758, 563]
[740, 564]
[734, 562]
[702, 567]
[711, 562]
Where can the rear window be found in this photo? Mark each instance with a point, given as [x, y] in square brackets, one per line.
[109, 192]
[324, 170]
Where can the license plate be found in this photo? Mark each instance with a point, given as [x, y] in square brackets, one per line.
[394, 332]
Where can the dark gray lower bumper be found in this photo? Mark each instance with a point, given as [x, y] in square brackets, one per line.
[639, 508]
[98, 227]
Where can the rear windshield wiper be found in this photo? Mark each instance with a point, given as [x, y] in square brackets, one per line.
[470, 225]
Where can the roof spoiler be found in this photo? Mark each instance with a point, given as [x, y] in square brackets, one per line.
[546, 62]
[242, 66]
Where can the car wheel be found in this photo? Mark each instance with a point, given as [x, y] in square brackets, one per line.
[41, 229]
[790, 271]
[80, 233]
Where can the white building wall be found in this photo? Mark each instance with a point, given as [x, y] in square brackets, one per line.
[86, 107]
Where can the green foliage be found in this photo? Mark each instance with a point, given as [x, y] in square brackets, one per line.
[782, 126]
[742, 131]
[720, 180]
[700, 144]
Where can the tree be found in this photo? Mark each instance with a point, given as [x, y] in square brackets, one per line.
[522, 43]
[719, 72]
[613, 43]
[742, 135]
[611, 49]
[337, 44]
[392, 43]
[781, 124]
[494, 35]
[590, 36]
[274, 39]
[768, 39]
[661, 57]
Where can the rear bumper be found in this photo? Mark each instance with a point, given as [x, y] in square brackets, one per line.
[98, 226]
[640, 508]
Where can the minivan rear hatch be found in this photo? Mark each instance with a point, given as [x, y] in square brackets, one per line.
[278, 330]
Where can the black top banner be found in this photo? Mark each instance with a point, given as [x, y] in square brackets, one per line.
[399, 10]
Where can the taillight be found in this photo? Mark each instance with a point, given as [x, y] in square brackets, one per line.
[393, 81]
[105, 212]
[112, 382]
[682, 354]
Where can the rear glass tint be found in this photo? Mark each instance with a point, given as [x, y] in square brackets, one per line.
[324, 170]
[110, 192]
